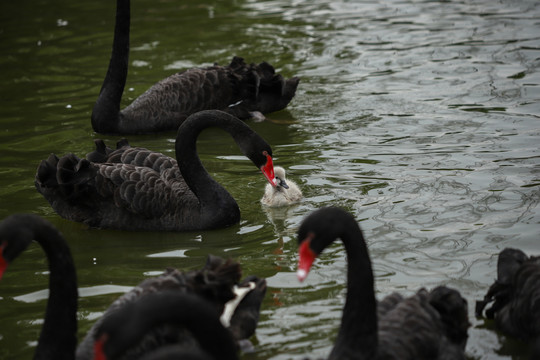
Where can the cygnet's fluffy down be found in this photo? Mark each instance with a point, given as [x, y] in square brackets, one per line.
[286, 192]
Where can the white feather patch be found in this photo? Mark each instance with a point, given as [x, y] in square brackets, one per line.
[231, 305]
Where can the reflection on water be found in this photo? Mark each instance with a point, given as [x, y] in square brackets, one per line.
[419, 117]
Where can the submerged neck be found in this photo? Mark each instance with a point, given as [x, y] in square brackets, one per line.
[217, 207]
[106, 110]
[58, 338]
[358, 332]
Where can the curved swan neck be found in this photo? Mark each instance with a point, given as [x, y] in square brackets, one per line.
[58, 337]
[358, 332]
[212, 196]
[60, 324]
[107, 108]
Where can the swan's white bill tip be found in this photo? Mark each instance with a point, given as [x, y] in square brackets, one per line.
[301, 274]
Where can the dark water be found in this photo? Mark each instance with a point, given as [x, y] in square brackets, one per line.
[419, 117]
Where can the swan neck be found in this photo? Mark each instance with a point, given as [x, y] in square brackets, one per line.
[58, 336]
[358, 331]
[215, 201]
[107, 108]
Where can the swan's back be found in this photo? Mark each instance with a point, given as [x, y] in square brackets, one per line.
[237, 88]
[169, 102]
[136, 156]
[135, 189]
[428, 325]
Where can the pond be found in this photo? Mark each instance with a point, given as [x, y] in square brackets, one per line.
[421, 118]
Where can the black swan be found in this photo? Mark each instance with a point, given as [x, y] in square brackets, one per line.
[243, 90]
[217, 282]
[427, 325]
[126, 328]
[516, 297]
[136, 189]
[284, 193]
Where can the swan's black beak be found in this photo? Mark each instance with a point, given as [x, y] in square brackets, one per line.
[306, 256]
[268, 170]
[282, 183]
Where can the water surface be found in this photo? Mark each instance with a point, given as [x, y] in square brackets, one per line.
[419, 117]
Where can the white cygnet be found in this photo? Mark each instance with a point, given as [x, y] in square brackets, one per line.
[286, 192]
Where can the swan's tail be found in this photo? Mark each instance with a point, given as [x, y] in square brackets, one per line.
[64, 179]
[452, 308]
[514, 295]
[261, 88]
[218, 278]
[508, 263]
[217, 281]
[246, 315]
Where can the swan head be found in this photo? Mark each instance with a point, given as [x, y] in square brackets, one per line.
[279, 174]
[320, 229]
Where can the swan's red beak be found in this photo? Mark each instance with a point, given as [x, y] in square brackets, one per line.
[3, 262]
[306, 256]
[268, 170]
[99, 353]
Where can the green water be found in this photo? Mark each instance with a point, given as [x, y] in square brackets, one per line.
[421, 118]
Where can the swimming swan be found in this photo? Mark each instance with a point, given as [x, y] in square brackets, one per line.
[428, 325]
[137, 189]
[239, 89]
